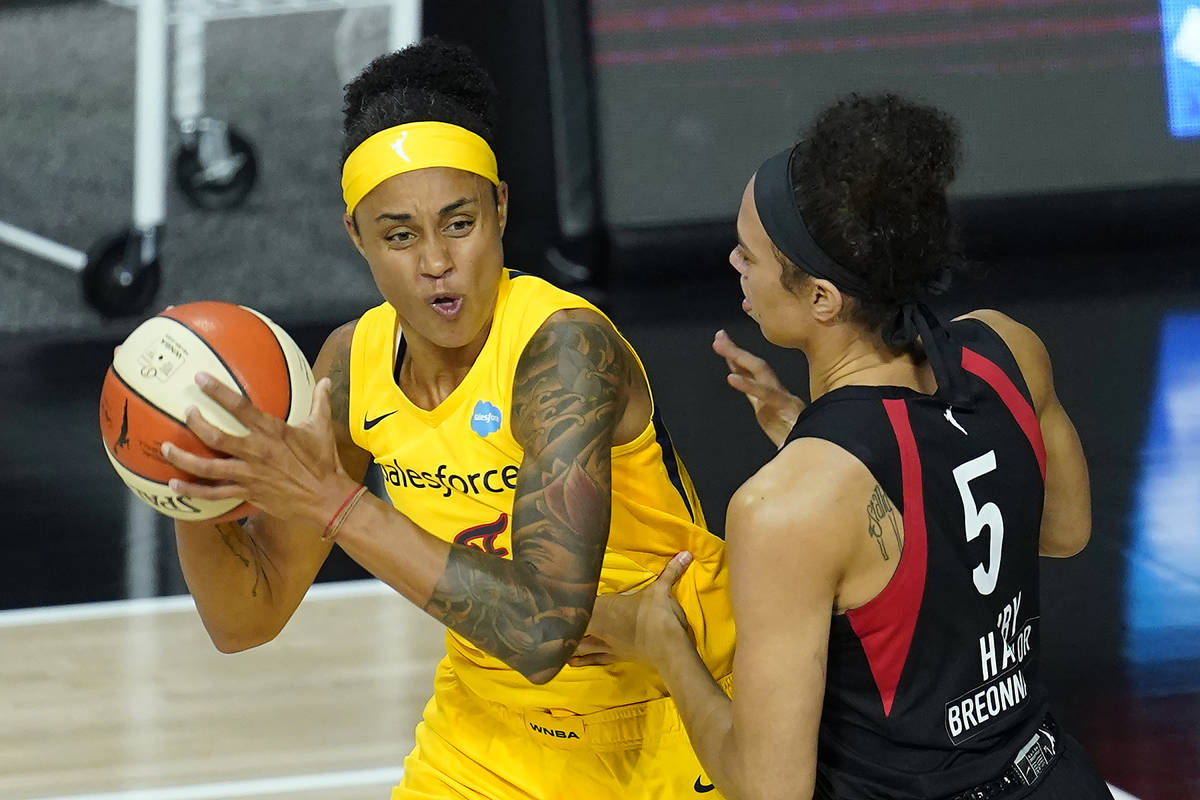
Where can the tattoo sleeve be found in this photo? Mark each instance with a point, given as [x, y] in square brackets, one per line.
[530, 612]
[883, 522]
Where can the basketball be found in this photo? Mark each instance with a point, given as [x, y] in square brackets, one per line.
[151, 384]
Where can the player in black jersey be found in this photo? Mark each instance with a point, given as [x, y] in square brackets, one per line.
[911, 499]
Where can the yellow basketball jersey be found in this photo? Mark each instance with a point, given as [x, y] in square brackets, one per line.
[453, 471]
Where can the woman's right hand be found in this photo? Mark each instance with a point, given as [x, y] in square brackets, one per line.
[638, 625]
[775, 408]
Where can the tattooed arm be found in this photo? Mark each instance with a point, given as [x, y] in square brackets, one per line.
[576, 393]
[569, 393]
[572, 388]
[247, 577]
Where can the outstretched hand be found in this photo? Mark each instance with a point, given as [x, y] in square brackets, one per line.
[639, 625]
[775, 408]
[286, 471]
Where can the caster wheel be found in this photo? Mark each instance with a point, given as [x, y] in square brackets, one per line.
[117, 282]
[216, 168]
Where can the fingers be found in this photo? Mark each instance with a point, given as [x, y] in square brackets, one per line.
[758, 390]
[204, 491]
[321, 404]
[723, 346]
[593, 660]
[212, 436]
[322, 414]
[236, 403]
[747, 386]
[675, 569]
[589, 644]
[214, 469]
[736, 357]
[592, 651]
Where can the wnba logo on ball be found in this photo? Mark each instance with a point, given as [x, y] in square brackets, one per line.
[485, 419]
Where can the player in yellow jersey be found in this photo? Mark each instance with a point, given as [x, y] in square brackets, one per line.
[526, 463]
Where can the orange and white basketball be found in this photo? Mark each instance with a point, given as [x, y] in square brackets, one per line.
[151, 384]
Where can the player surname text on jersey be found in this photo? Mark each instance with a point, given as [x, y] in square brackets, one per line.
[967, 713]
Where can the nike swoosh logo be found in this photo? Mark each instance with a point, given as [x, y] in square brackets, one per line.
[371, 423]
[702, 787]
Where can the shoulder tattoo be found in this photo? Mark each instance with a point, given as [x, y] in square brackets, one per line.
[339, 390]
[883, 523]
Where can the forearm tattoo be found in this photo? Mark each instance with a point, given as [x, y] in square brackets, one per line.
[243, 547]
[883, 522]
[568, 392]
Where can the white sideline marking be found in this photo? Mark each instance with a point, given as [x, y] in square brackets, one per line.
[389, 776]
[161, 605]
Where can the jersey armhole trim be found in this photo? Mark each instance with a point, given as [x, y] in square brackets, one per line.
[1011, 396]
[885, 625]
[356, 379]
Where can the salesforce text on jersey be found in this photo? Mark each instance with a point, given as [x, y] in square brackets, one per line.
[493, 480]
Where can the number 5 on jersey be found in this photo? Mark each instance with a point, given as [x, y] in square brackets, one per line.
[978, 518]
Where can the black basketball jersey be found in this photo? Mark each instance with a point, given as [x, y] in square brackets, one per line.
[932, 687]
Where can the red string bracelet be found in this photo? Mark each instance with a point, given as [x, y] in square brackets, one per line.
[343, 511]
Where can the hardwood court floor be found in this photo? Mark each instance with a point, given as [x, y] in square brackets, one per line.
[131, 695]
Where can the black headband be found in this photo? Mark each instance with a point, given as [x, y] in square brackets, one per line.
[775, 202]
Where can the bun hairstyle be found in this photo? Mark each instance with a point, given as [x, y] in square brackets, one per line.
[869, 178]
[432, 81]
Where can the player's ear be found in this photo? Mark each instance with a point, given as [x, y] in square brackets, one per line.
[826, 299]
[501, 194]
[352, 232]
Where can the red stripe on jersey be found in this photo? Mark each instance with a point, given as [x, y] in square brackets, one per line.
[1018, 406]
[885, 625]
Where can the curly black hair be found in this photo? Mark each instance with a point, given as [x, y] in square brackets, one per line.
[432, 80]
[870, 177]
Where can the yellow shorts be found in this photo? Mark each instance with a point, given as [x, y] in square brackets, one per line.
[470, 748]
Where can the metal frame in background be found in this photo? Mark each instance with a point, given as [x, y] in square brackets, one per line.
[215, 167]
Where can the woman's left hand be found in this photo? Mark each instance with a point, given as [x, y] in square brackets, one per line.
[641, 625]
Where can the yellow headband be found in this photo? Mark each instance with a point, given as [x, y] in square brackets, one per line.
[412, 146]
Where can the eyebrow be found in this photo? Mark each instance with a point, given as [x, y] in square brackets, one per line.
[457, 204]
